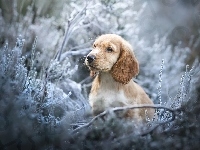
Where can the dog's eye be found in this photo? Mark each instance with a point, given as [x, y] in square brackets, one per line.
[94, 45]
[109, 49]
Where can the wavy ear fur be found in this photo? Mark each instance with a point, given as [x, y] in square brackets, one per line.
[127, 65]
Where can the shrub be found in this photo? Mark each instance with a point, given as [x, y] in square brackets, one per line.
[42, 105]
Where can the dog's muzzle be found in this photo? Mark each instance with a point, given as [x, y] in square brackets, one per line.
[90, 58]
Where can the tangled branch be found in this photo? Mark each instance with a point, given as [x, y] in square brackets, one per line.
[117, 109]
[70, 25]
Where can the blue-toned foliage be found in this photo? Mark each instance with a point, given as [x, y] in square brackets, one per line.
[36, 107]
[44, 86]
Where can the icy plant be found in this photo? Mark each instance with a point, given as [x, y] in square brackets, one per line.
[35, 107]
[150, 63]
[46, 109]
[175, 124]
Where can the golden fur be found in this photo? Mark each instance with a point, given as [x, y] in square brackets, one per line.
[114, 64]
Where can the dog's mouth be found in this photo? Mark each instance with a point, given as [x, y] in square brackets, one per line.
[97, 69]
[93, 68]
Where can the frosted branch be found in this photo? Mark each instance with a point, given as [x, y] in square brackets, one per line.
[83, 51]
[117, 109]
[70, 25]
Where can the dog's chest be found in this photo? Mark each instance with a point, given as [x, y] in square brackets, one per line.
[106, 93]
[107, 97]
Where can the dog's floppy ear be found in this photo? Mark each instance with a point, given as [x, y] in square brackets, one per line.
[126, 66]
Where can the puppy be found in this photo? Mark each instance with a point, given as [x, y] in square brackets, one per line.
[114, 64]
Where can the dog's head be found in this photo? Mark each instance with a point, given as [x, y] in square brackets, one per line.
[111, 53]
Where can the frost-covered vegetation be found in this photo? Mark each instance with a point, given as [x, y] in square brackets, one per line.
[44, 84]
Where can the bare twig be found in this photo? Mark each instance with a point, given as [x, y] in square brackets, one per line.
[150, 129]
[84, 80]
[141, 106]
[116, 109]
[83, 51]
[91, 121]
[70, 25]
[147, 131]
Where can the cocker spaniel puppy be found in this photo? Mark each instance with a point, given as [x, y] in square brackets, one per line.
[114, 64]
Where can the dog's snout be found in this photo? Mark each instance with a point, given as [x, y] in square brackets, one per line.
[90, 58]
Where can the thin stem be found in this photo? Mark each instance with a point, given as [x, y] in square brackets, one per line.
[70, 25]
[116, 109]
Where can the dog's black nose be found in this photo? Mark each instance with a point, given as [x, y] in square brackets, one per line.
[90, 58]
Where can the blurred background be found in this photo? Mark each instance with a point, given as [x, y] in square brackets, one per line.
[57, 35]
[156, 29]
